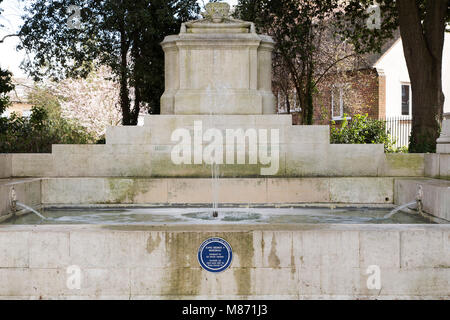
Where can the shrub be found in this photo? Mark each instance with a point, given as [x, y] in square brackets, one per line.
[38, 133]
[6, 86]
[403, 149]
[361, 130]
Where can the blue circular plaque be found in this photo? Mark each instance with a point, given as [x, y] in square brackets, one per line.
[215, 255]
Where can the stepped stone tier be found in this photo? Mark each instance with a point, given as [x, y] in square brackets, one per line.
[304, 151]
[218, 65]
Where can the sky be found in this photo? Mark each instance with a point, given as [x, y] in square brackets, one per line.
[11, 20]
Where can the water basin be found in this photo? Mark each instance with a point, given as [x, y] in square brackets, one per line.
[203, 215]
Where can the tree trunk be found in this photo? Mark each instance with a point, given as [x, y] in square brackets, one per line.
[137, 82]
[303, 106]
[428, 101]
[137, 105]
[309, 96]
[288, 104]
[423, 44]
[124, 91]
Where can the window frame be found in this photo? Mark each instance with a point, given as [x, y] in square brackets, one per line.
[341, 103]
[408, 84]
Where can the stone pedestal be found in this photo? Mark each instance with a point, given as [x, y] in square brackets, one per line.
[218, 66]
[443, 143]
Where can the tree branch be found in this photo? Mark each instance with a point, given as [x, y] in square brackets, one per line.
[331, 66]
[8, 36]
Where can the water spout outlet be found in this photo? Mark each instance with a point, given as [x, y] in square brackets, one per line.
[13, 200]
[419, 199]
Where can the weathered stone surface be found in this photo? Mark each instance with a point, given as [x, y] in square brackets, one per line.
[437, 165]
[14, 250]
[307, 190]
[5, 165]
[405, 165]
[307, 160]
[48, 249]
[361, 160]
[28, 192]
[436, 195]
[226, 190]
[443, 148]
[444, 166]
[379, 248]
[32, 165]
[4, 201]
[271, 262]
[431, 165]
[124, 136]
[416, 252]
[362, 190]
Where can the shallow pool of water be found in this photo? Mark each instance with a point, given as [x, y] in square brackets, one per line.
[161, 216]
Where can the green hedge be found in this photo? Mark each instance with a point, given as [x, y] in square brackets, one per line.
[362, 130]
[39, 132]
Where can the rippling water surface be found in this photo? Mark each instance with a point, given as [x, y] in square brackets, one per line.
[161, 216]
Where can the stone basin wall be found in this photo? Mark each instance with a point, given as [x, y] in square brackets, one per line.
[269, 262]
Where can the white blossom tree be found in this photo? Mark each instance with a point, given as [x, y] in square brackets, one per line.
[92, 102]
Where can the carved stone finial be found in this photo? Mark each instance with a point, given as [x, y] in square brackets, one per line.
[217, 12]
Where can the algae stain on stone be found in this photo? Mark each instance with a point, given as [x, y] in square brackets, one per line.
[125, 190]
[410, 161]
[122, 191]
[293, 268]
[274, 261]
[242, 245]
[263, 244]
[184, 274]
[153, 244]
[183, 277]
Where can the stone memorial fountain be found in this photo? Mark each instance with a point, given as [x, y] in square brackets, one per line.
[127, 215]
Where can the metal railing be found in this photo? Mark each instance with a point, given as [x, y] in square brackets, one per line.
[400, 129]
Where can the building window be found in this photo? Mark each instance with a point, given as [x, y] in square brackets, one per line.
[406, 99]
[338, 106]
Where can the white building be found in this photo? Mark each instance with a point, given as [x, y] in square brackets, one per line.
[392, 65]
